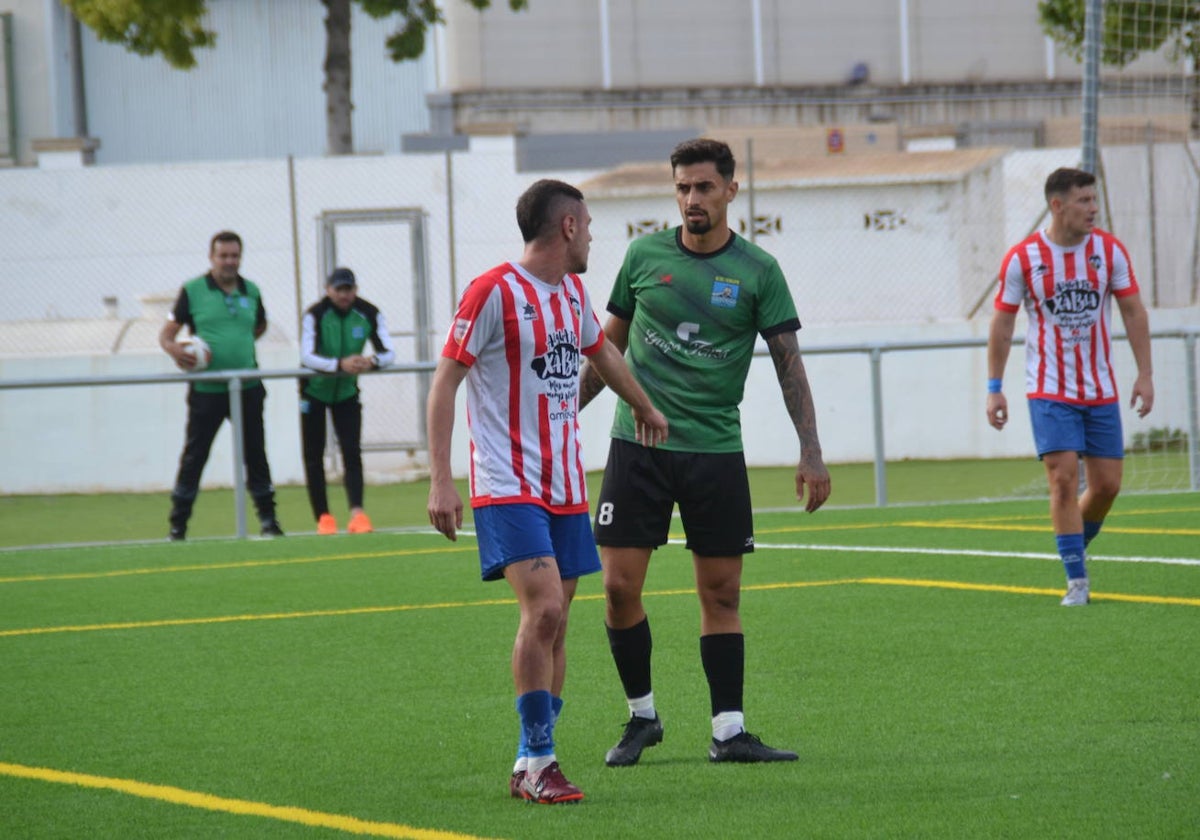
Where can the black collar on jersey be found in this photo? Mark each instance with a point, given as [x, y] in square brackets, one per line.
[697, 254]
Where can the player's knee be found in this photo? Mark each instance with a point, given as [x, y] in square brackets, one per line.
[545, 620]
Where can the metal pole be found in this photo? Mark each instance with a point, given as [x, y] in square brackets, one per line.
[1193, 398]
[1153, 224]
[78, 90]
[291, 169]
[905, 59]
[238, 421]
[605, 47]
[756, 16]
[450, 242]
[751, 233]
[1093, 18]
[877, 417]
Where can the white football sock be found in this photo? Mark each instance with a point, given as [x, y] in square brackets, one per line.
[727, 724]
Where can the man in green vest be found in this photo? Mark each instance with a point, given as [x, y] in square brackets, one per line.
[333, 336]
[226, 311]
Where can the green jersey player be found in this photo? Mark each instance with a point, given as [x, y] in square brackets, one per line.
[687, 308]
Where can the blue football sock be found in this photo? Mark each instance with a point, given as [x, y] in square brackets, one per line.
[556, 704]
[1090, 530]
[1070, 549]
[537, 722]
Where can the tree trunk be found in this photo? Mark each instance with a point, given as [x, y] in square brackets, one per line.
[339, 133]
[1195, 123]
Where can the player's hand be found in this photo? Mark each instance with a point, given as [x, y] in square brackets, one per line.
[445, 509]
[813, 475]
[997, 410]
[184, 359]
[355, 364]
[1143, 389]
[650, 428]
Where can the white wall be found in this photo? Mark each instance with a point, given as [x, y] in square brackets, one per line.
[129, 437]
[73, 236]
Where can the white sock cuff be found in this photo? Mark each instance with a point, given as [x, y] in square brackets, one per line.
[643, 707]
[727, 724]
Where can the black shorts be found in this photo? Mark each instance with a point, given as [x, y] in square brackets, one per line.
[642, 485]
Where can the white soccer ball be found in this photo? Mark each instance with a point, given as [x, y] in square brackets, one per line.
[200, 349]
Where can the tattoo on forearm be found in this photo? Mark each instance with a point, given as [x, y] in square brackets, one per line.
[797, 396]
[590, 384]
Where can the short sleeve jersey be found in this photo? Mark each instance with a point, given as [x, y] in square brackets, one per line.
[1067, 294]
[694, 319]
[523, 339]
[227, 322]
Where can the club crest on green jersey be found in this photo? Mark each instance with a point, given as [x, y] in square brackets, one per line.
[725, 292]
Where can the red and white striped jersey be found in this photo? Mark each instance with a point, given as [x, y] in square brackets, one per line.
[522, 339]
[1067, 293]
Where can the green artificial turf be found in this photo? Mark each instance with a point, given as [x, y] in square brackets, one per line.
[916, 658]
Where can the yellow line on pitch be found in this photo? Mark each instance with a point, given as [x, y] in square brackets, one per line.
[246, 564]
[230, 619]
[1027, 590]
[492, 602]
[239, 807]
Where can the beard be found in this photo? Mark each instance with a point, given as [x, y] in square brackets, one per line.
[699, 226]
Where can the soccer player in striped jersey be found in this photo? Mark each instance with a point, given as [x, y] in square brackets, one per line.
[689, 304]
[517, 339]
[1066, 277]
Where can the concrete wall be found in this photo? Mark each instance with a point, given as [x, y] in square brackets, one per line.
[702, 43]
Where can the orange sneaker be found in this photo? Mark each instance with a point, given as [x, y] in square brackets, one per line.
[327, 525]
[359, 524]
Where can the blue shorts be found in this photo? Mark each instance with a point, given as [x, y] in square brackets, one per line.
[1092, 430]
[510, 533]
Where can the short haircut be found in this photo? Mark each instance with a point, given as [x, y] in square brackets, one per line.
[542, 206]
[224, 236]
[704, 150]
[1061, 181]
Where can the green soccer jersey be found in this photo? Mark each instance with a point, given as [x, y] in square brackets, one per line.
[694, 319]
[227, 322]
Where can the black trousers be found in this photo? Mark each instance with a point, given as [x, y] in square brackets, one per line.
[206, 413]
[347, 425]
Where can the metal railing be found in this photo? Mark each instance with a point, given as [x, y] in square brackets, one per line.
[873, 350]
[234, 378]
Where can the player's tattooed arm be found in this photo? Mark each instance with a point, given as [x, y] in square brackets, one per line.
[590, 384]
[797, 397]
[616, 330]
[793, 381]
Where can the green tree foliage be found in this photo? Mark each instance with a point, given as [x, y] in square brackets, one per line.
[172, 28]
[1131, 27]
[175, 28]
[408, 42]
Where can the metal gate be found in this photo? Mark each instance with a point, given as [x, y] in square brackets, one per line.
[385, 248]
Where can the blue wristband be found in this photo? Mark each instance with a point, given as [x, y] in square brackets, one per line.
[994, 386]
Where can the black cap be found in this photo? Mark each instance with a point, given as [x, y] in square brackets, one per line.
[342, 277]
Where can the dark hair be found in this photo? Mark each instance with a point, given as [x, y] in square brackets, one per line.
[704, 150]
[541, 206]
[224, 236]
[1061, 181]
